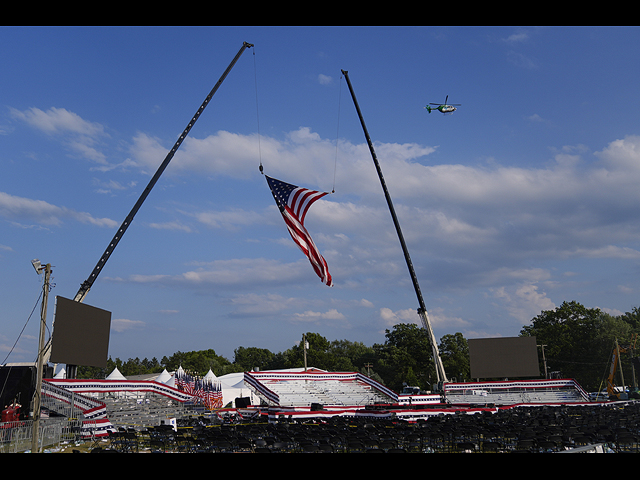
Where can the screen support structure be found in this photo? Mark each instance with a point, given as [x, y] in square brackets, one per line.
[422, 310]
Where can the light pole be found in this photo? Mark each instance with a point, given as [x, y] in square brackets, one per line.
[39, 373]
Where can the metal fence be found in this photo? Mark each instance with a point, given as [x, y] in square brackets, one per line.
[18, 436]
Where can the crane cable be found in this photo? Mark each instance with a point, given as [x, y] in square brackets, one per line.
[255, 77]
[335, 167]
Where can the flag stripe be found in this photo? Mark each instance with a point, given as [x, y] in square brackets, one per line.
[294, 203]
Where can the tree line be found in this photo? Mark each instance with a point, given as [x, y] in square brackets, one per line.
[578, 343]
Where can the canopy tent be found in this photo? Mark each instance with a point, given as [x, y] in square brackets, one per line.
[233, 387]
[210, 377]
[164, 377]
[116, 375]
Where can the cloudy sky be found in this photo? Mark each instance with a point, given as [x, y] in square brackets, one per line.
[525, 197]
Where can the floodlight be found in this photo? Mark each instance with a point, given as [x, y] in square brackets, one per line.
[37, 265]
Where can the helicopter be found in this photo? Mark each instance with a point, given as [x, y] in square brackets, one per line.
[443, 107]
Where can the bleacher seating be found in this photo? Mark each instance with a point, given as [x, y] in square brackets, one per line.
[516, 392]
[305, 389]
[305, 393]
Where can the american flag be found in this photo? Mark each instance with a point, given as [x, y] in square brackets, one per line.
[293, 203]
[203, 391]
[185, 382]
[209, 394]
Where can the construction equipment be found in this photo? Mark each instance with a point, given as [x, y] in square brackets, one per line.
[620, 393]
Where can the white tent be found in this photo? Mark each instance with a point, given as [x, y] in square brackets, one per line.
[171, 382]
[164, 377]
[233, 387]
[210, 377]
[116, 375]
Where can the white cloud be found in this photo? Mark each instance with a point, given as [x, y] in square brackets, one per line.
[622, 155]
[230, 219]
[171, 226]
[523, 301]
[311, 316]
[439, 318]
[517, 37]
[474, 222]
[391, 318]
[232, 273]
[264, 305]
[79, 135]
[482, 219]
[325, 79]
[30, 210]
[123, 324]
[58, 120]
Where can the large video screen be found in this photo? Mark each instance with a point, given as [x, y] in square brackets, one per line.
[504, 357]
[80, 334]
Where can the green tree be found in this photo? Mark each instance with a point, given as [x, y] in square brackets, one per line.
[336, 356]
[454, 352]
[360, 357]
[248, 358]
[317, 353]
[572, 335]
[92, 372]
[633, 319]
[405, 357]
[198, 362]
[621, 330]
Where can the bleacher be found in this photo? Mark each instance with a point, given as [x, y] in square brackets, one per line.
[565, 391]
[119, 403]
[145, 409]
[324, 392]
[303, 389]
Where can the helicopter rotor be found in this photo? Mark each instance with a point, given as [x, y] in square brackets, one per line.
[445, 103]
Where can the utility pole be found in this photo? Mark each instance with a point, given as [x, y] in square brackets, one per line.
[40, 368]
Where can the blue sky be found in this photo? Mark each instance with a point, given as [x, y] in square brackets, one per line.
[524, 198]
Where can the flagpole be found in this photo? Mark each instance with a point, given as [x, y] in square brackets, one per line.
[422, 311]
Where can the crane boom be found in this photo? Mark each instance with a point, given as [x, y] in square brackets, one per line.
[88, 283]
[422, 311]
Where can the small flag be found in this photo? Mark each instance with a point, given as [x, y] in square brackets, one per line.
[293, 203]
